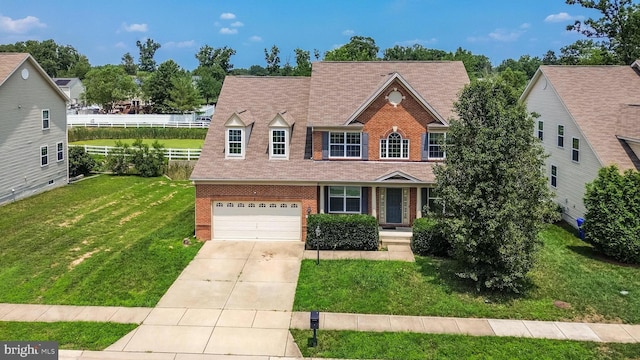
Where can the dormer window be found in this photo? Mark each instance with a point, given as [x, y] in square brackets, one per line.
[235, 143]
[394, 147]
[278, 144]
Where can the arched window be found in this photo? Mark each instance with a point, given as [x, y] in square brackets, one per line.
[394, 147]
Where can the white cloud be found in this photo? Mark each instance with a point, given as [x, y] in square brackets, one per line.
[560, 17]
[227, 31]
[505, 35]
[237, 24]
[121, 45]
[227, 16]
[20, 26]
[135, 27]
[525, 26]
[422, 42]
[179, 44]
[348, 32]
[255, 38]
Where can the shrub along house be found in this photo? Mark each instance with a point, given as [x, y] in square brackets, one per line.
[355, 137]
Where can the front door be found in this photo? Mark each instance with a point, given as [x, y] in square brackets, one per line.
[394, 206]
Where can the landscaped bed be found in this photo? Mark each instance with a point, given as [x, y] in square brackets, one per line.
[410, 346]
[113, 241]
[570, 282]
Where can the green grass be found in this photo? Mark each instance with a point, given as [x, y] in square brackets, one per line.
[113, 241]
[410, 346]
[69, 335]
[568, 270]
[167, 143]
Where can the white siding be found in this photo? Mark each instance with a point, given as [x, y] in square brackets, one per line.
[572, 177]
[21, 135]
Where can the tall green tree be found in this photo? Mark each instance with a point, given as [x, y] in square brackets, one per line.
[493, 186]
[209, 83]
[159, 85]
[108, 84]
[303, 63]
[525, 64]
[208, 57]
[618, 28]
[184, 96]
[56, 60]
[272, 57]
[415, 52]
[128, 64]
[147, 52]
[359, 48]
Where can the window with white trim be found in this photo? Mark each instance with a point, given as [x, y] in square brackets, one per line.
[575, 149]
[541, 130]
[345, 199]
[394, 147]
[433, 202]
[60, 151]
[436, 145]
[44, 155]
[561, 136]
[235, 143]
[554, 176]
[278, 148]
[345, 144]
[45, 119]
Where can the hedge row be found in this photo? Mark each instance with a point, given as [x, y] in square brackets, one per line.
[342, 232]
[429, 237]
[81, 133]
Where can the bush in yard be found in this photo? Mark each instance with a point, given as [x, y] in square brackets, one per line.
[613, 214]
[149, 162]
[118, 159]
[80, 163]
[429, 237]
[342, 232]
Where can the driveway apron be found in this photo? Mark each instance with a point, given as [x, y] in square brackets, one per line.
[234, 298]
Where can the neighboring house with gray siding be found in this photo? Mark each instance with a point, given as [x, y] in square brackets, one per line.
[33, 129]
[589, 119]
[72, 87]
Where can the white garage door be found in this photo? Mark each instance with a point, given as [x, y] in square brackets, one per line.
[247, 220]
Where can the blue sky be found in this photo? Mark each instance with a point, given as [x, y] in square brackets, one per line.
[105, 30]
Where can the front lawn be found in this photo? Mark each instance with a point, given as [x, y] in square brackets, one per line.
[570, 282]
[166, 143]
[113, 241]
[410, 346]
[69, 335]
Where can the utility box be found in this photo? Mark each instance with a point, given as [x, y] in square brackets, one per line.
[315, 320]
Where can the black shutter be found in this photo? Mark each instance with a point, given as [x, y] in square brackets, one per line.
[364, 200]
[326, 199]
[325, 145]
[365, 146]
[425, 147]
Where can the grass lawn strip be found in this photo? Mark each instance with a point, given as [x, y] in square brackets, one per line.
[111, 241]
[570, 283]
[69, 335]
[167, 143]
[412, 346]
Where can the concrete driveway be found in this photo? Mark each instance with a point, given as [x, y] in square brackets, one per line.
[234, 298]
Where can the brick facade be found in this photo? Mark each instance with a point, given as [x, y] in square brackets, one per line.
[207, 193]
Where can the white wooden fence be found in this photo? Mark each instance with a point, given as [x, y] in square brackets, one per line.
[140, 120]
[171, 154]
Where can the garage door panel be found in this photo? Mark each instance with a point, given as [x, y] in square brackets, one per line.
[256, 221]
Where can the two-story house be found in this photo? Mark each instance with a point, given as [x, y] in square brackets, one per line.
[33, 129]
[354, 138]
[589, 119]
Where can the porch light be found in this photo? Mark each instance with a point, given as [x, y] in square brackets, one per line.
[314, 324]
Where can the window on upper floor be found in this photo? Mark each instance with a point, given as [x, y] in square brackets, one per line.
[436, 143]
[560, 135]
[235, 143]
[541, 130]
[44, 155]
[554, 176]
[60, 151]
[575, 149]
[345, 145]
[278, 145]
[394, 147]
[345, 199]
[45, 119]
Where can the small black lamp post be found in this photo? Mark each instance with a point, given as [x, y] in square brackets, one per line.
[318, 243]
[315, 325]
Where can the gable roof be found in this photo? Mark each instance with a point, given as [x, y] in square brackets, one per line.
[595, 97]
[439, 82]
[11, 62]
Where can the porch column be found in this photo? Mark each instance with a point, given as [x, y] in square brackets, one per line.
[374, 201]
[321, 199]
[419, 203]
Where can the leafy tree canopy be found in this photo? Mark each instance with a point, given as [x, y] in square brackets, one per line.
[147, 52]
[359, 48]
[159, 84]
[108, 84]
[56, 60]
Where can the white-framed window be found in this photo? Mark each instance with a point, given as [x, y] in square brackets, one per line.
[541, 130]
[235, 143]
[345, 144]
[554, 176]
[60, 151]
[561, 136]
[345, 199]
[278, 146]
[436, 145]
[575, 149]
[433, 202]
[394, 147]
[44, 155]
[45, 119]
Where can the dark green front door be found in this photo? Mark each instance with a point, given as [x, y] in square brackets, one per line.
[394, 206]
